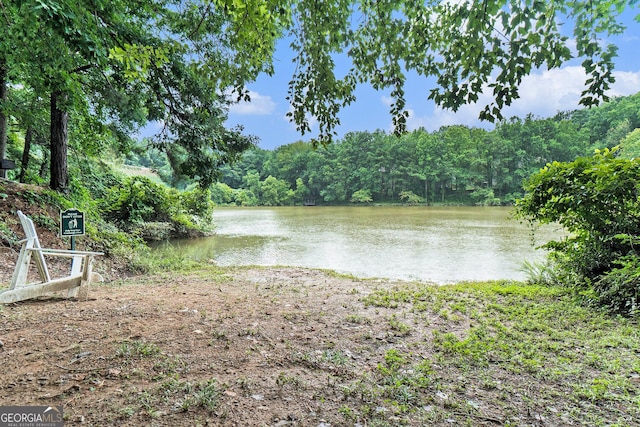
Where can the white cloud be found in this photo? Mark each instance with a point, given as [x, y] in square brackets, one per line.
[260, 105]
[543, 94]
[627, 83]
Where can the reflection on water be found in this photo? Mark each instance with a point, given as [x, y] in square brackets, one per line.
[412, 243]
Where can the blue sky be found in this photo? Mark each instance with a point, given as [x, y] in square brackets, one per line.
[544, 93]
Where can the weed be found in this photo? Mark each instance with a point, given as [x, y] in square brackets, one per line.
[137, 348]
[400, 328]
[348, 413]
[283, 380]
[358, 319]
[335, 357]
[245, 384]
[169, 366]
[205, 395]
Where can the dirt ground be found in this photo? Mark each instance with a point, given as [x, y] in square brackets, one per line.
[261, 334]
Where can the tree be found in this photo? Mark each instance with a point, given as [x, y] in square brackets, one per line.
[596, 200]
[275, 192]
[462, 44]
[631, 145]
[361, 196]
[133, 61]
[172, 61]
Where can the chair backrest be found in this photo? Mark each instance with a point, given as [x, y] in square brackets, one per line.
[33, 242]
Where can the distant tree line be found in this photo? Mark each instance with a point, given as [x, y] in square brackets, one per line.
[453, 165]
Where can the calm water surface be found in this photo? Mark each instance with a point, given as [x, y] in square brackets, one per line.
[439, 245]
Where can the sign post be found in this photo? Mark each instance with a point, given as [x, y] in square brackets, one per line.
[72, 224]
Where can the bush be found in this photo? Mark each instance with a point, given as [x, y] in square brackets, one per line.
[411, 198]
[361, 196]
[135, 199]
[597, 200]
[485, 197]
[139, 201]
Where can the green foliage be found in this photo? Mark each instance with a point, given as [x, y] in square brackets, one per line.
[135, 200]
[485, 197]
[115, 66]
[222, 194]
[596, 200]
[275, 192]
[454, 42]
[197, 203]
[137, 349]
[453, 165]
[139, 203]
[7, 235]
[411, 198]
[361, 196]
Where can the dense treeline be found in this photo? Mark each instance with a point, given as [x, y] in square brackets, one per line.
[454, 164]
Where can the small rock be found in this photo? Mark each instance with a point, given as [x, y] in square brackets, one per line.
[82, 355]
[1, 344]
[473, 404]
[257, 397]
[442, 395]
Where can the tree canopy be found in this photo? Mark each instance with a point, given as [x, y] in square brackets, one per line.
[469, 47]
[119, 64]
[452, 165]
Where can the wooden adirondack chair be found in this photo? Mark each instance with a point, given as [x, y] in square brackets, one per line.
[76, 283]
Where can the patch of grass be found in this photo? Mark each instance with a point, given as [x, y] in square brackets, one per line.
[335, 357]
[398, 327]
[284, 380]
[7, 235]
[205, 394]
[358, 319]
[557, 350]
[174, 394]
[169, 366]
[137, 349]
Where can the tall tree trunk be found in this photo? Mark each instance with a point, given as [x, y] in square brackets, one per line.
[28, 137]
[59, 179]
[3, 117]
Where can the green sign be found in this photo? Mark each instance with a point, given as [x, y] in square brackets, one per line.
[72, 223]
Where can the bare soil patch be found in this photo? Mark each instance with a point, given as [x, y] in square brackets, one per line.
[265, 336]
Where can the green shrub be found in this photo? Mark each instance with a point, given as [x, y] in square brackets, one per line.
[411, 198]
[155, 212]
[137, 199]
[597, 200]
[485, 197]
[361, 196]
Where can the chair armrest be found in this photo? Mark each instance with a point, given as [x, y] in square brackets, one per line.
[64, 252]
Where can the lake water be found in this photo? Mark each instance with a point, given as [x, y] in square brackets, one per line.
[441, 245]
